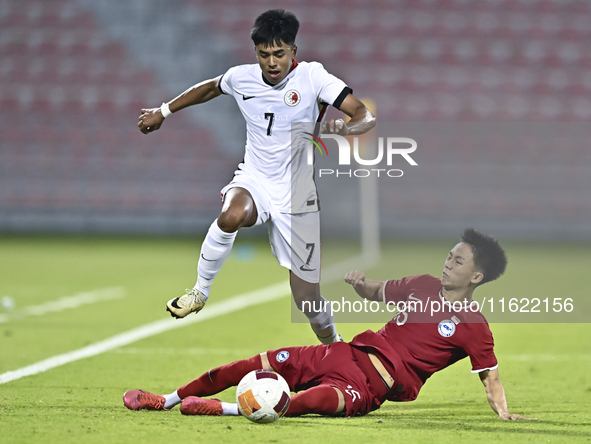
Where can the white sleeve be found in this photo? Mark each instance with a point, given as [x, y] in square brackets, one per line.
[329, 89]
[225, 84]
[483, 369]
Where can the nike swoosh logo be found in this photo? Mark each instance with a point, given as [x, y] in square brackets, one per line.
[306, 268]
[247, 97]
[208, 260]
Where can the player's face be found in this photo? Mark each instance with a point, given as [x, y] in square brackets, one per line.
[459, 270]
[275, 60]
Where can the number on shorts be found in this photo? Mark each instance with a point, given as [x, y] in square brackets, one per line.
[311, 248]
[306, 267]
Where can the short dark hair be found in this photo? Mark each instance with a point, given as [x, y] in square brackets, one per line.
[275, 26]
[489, 256]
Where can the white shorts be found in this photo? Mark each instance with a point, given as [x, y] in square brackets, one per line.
[294, 238]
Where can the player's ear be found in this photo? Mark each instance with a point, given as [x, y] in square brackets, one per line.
[477, 278]
[294, 51]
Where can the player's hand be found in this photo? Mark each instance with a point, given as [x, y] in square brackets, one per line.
[355, 278]
[335, 127]
[514, 417]
[150, 120]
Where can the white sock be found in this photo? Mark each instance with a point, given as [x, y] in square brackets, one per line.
[229, 409]
[323, 324]
[215, 249]
[172, 400]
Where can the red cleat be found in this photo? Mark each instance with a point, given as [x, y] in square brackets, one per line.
[192, 405]
[140, 400]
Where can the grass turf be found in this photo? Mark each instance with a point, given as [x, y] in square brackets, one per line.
[544, 367]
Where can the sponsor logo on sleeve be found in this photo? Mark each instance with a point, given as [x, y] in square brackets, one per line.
[282, 356]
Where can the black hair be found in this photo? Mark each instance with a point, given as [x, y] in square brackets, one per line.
[275, 26]
[489, 256]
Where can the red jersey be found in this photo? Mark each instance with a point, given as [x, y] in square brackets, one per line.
[427, 335]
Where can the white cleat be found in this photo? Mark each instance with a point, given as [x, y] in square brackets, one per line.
[192, 302]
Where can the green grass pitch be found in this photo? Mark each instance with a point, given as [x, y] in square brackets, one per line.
[544, 367]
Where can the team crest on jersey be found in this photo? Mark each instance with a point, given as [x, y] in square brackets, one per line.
[282, 356]
[446, 328]
[292, 97]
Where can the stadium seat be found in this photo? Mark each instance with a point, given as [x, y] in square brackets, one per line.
[77, 88]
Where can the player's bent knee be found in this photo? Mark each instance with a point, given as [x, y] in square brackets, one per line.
[321, 400]
[232, 219]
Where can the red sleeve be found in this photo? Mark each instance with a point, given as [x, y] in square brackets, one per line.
[398, 290]
[394, 291]
[480, 348]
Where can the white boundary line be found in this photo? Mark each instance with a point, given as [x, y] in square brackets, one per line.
[66, 303]
[228, 306]
[236, 303]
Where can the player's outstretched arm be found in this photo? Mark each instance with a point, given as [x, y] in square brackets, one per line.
[366, 288]
[362, 120]
[151, 119]
[495, 394]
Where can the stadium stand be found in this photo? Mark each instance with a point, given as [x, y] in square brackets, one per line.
[451, 60]
[461, 61]
[70, 150]
[74, 74]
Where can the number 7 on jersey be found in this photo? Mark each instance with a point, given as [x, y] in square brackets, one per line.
[269, 117]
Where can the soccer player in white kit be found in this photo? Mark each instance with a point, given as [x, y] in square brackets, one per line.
[272, 95]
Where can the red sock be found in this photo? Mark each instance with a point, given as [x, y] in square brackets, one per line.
[322, 399]
[220, 378]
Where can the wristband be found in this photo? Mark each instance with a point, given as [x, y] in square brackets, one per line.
[165, 110]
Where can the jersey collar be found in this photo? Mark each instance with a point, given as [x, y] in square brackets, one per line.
[294, 64]
[445, 301]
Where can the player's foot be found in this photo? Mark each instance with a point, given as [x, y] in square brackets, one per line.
[192, 405]
[140, 400]
[191, 302]
[339, 338]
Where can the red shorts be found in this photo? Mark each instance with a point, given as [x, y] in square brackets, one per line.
[334, 365]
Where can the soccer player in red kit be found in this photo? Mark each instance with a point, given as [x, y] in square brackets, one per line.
[437, 326]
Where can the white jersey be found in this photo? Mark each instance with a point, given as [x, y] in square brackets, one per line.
[269, 111]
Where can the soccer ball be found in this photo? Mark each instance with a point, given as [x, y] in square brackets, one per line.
[263, 396]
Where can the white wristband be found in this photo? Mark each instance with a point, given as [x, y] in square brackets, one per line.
[165, 110]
